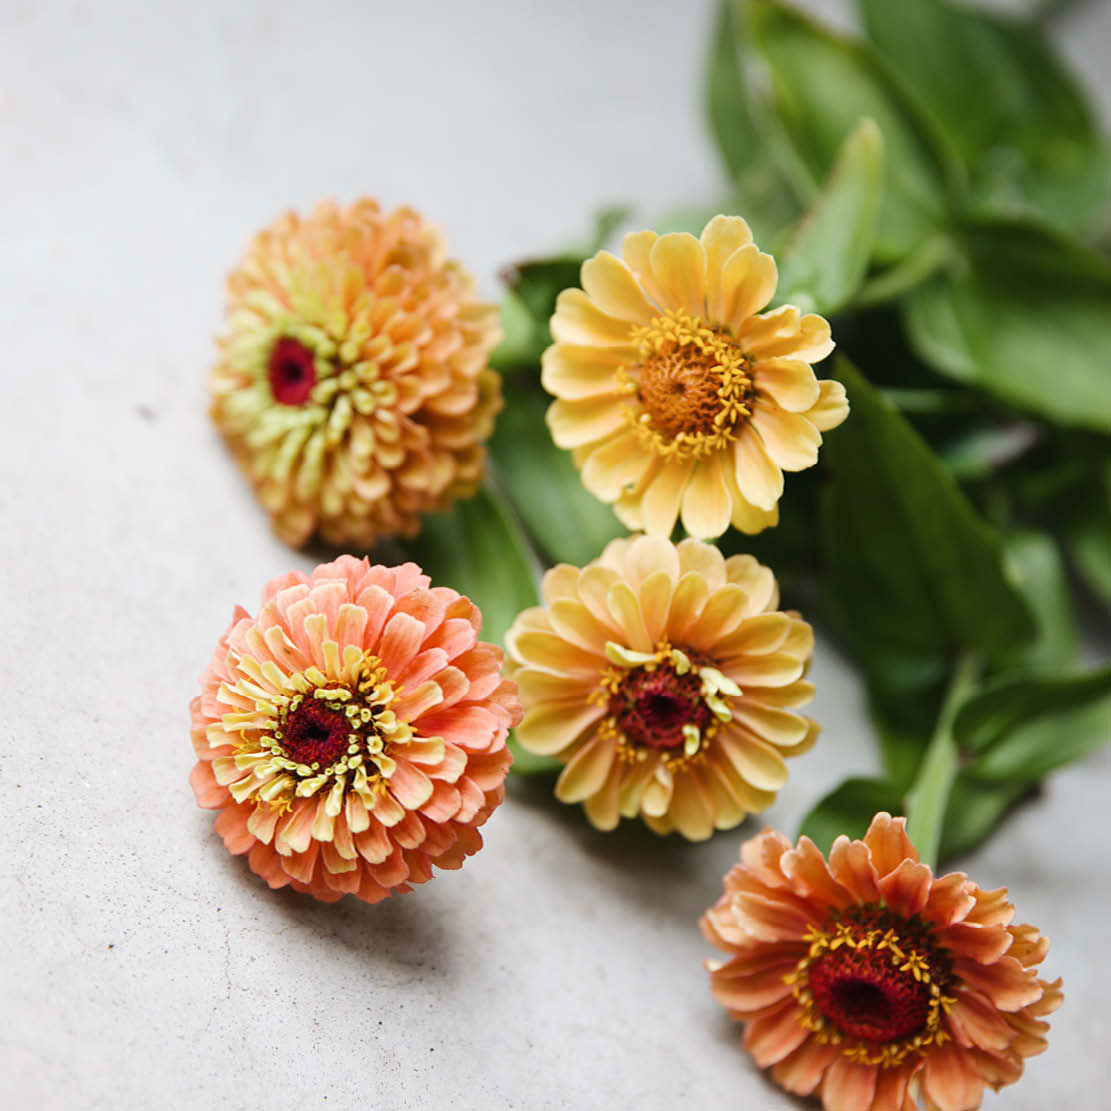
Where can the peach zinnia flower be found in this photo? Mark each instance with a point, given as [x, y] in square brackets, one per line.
[353, 734]
[871, 981]
[665, 679]
[677, 395]
[353, 387]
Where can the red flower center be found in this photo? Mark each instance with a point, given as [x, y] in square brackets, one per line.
[292, 371]
[651, 707]
[314, 734]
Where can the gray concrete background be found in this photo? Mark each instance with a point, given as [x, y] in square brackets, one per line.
[143, 966]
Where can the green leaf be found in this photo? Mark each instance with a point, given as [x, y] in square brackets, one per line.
[848, 809]
[1038, 572]
[568, 523]
[911, 567]
[727, 112]
[1028, 319]
[479, 549]
[973, 811]
[1023, 726]
[827, 256]
[1088, 534]
[823, 85]
[1006, 104]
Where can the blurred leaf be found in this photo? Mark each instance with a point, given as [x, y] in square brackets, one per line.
[1088, 533]
[823, 86]
[479, 549]
[903, 709]
[1024, 726]
[528, 763]
[731, 125]
[910, 566]
[828, 254]
[1028, 320]
[1039, 574]
[973, 811]
[980, 451]
[994, 87]
[568, 523]
[849, 809]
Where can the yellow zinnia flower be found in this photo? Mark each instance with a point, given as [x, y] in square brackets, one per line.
[665, 680]
[676, 394]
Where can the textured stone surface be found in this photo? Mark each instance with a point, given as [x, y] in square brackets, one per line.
[144, 967]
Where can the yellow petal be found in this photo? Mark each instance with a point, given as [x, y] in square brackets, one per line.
[610, 284]
[603, 808]
[625, 608]
[720, 238]
[758, 581]
[594, 587]
[790, 382]
[748, 282]
[560, 581]
[573, 423]
[705, 559]
[690, 809]
[578, 320]
[779, 727]
[775, 669]
[586, 771]
[757, 763]
[575, 623]
[755, 636]
[678, 264]
[759, 480]
[552, 652]
[573, 371]
[615, 465]
[790, 440]
[655, 601]
[691, 594]
[706, 506]
[552, 726]
[536, 685]
[660, 503]
[722, 613]
[831, 408]
[648, 554]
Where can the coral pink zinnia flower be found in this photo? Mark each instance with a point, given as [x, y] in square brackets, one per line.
[871, 981]
[353, 386]
[666, 680]
[353, 734]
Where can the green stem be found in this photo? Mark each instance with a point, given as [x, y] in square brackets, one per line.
[929, 794]
[906, 275]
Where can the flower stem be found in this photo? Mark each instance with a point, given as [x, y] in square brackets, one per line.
[929, 794]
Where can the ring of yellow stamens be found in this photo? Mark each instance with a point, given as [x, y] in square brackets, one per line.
[692, 387]
[903, 949]
[670, 675]
[264, 765]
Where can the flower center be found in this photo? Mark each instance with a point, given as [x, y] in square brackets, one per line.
[662, 700]
[315, 734]
[873, 984]
[652, 707]
[692, 385]
[292, 371]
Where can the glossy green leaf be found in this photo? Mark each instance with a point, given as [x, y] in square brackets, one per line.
[994, 87]
[1023, 726]
[827, 256]
[1028, 319]
[569, 524]
[912, 568]
[823, 86]
[974, 810]
[479, 549]
[848, 809]
[1039, 574]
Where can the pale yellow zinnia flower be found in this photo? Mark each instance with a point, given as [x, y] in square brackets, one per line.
[666, 680]
[678, 397]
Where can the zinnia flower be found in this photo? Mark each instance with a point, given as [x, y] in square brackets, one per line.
[665, 679]
[353, 387]
[678, 396]
[353, 734]
[871, 981]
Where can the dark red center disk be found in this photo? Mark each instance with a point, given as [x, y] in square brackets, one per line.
[651, 707]
[315, 734]
[865, 996]
[292, 371]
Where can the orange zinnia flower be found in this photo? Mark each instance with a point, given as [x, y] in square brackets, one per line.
[665, 679]
[678, 396]
[353, 734]
[353, 386]
[871, 982]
